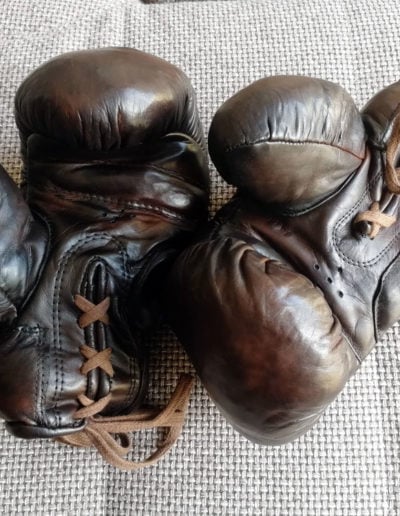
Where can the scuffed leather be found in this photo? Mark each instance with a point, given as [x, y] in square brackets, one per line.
[272, 143]
[115, 182]
[287, 293]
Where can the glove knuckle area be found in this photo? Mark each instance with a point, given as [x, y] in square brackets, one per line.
[271, 138]
[168, 179]
[106, 99]
[115, 130]
[262, 338]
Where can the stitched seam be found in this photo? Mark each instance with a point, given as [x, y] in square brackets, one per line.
[132, 369]
[127, 166]
[38, 332]
[245, 144]
[292, 212]
[353, 349]
[56, 298]
[40, 409]
[38, 375]
[386, 134]
[342, 221]
[44, 384]
[378, 293]
[73, 195]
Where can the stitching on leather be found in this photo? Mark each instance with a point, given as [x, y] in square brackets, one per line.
[290, 142]
[344, 219]
[56, 301]
[56, 365]
[132, 370]
[351, 345]
[56, 324]
[73, 195]
[28, 330]
[388, 130]
[44, 379]
[38, 332]
[384, 278]
[40, 386]
[38, 375]
[131, 361]
[292, 212]
[127, 165]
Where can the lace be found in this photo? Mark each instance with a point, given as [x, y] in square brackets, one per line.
[376, 218]
[99, 431]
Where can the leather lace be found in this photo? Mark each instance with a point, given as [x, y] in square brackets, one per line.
[99, 431]
[376, 218]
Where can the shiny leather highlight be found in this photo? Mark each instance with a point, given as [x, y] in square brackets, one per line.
[114, 183]
[288, 290]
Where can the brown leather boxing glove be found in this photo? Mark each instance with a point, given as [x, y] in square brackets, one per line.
[298, 275]
[115, 182]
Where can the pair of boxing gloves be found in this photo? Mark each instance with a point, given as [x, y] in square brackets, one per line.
[277, 300]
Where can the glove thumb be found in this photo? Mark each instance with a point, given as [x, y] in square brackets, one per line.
[22, 247]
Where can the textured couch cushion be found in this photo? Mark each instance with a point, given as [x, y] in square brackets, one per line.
[350, 463]
[173, 1]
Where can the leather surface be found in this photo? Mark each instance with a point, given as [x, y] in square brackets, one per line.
[288, 293]
[115, 182]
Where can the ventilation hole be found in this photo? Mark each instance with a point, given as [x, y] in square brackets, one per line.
[316, 267]
[340, 270]
[340, 293]
[329, 280]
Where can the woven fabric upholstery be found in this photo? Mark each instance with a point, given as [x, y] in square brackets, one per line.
[350, 463]
[172, 1]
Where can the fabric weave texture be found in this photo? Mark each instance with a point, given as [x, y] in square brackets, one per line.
[349, 464]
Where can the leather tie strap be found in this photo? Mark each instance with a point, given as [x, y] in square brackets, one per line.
[96, 359]
[99, 430]
[377, 218]
[92, 313]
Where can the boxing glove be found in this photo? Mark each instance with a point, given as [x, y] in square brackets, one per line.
[298, 275]
[114, 183]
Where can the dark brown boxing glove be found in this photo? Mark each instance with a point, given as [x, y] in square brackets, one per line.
[298, 275]
[115, 182]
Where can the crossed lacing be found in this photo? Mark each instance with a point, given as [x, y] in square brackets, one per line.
[374, 215]
[99, 430]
